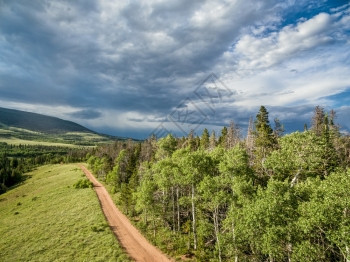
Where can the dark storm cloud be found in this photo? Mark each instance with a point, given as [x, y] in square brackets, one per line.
[142, 57]
[137, 53]
[86, 114]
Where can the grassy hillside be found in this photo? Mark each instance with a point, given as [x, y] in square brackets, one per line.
[46, 219]
[19, 127]
[16, 136]
[38, 122]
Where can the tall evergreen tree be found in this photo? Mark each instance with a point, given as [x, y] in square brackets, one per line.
[222, 137]
[119, 174]
[191, 141]
[264, 133]
[265, 143]
[318, 120]
[204, 143]
[329, 155]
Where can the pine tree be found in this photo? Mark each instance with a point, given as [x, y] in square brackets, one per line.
[318, 120]
[204, 143]
[232, 137]
[197, 142]
[191, 141]
[329, 156]
[222, 138]
[120, 173]
[305, 127]
[265, 138]
[265, 143]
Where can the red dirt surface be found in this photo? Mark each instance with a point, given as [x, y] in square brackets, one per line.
[138, 248]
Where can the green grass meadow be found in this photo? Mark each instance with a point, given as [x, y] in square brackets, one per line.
[20, 136]
[17, 142]
[47, 219]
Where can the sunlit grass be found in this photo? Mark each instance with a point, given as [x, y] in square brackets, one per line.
[46, 219]
[20, 136]
[17, 141]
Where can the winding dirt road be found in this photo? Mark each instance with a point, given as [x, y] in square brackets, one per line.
[129, 237]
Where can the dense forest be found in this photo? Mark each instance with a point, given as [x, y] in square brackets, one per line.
[264, 197]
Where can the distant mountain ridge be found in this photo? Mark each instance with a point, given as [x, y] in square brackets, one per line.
[39, 123]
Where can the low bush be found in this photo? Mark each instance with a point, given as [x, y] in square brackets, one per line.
[83, 183]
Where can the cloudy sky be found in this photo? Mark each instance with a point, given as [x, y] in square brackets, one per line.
[130, 68]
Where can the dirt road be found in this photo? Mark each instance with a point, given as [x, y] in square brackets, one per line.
[129, 237]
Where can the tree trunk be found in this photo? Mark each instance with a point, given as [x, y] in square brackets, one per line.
[163, 202]
[178, 209]
[173, 196]
[194, 220]
[216, 227]
[234, 241]
[154, 227]
[295, 179]
[290, 249]
[347, 249]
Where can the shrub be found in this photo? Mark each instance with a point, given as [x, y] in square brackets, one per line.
[3, 188]
[99, 228]
[83, 183]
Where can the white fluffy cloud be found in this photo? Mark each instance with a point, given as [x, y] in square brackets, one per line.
[292, 40]
[299, 64]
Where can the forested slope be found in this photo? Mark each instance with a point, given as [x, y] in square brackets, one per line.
[267, 197]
